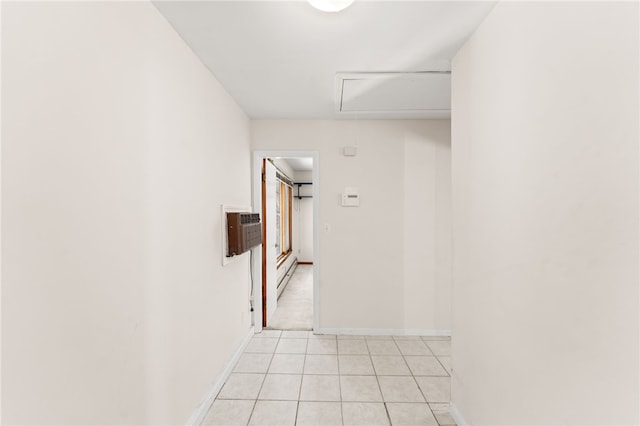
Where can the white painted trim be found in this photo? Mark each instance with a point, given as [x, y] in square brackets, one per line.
[383, 331]
[257, 252]
[1, 6]
[315, 176]
[201, 411]
[455, 413]
[257, 203]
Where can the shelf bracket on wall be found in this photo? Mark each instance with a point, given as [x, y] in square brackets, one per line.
[299, 184]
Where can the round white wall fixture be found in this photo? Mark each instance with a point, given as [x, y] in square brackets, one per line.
[330, 5]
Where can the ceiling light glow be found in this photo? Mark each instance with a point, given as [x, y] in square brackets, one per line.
[330, 5]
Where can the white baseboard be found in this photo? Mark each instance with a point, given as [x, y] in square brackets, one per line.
[201, 411]
[453, 410]
[383, 331]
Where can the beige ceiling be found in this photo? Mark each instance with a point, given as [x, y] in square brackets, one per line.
[284, 59]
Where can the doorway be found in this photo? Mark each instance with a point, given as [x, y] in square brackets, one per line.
[286, 192]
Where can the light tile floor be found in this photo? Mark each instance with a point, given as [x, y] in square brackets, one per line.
[298, 378]
[295, 305]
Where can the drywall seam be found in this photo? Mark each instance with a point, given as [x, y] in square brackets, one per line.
[201, 411]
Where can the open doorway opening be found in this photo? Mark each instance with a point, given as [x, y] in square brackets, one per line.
[286, 192]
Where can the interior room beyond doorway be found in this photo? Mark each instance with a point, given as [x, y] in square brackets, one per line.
[295, 304]
[288, 243]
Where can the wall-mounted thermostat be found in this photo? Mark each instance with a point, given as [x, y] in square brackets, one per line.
[350, 197]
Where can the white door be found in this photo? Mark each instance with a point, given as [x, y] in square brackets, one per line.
[272, 229]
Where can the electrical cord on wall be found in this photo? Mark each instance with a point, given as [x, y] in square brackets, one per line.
[251, 279]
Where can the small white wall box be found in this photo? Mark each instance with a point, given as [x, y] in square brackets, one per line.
[350, 197]
[350, 151]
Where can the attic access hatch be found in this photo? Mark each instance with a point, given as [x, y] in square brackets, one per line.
[424, 94]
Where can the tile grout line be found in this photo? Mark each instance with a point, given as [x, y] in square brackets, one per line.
[368, 354]
[412, 376]
[304, 364]
[386, 410]
[255, 401]
[445, 369]
[339, 381]
[416, 381]
[386, 407]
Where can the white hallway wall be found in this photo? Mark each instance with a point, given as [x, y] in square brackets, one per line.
[303, 218]
[545, 168]
[385, 264]
[116, 142]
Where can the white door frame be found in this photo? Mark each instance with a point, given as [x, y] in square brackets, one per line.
[258, 156]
